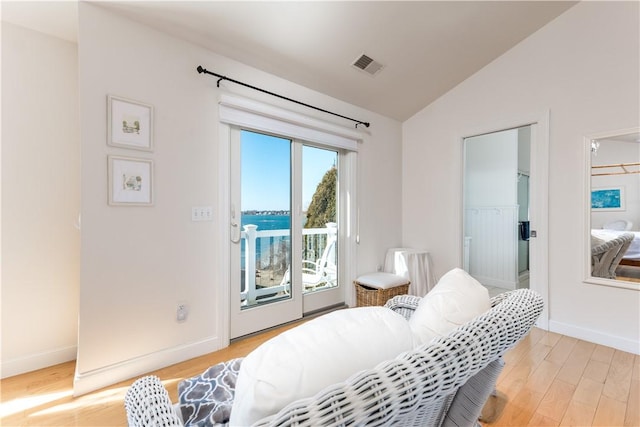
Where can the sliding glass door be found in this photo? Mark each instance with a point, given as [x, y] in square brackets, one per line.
[285, 216]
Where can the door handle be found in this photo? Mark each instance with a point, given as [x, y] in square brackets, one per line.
[234, 226]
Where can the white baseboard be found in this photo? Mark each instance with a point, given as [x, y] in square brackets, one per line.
[85, 382]
[33, 362]
[596, 337]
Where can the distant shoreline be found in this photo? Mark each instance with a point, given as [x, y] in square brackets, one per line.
[271, 213]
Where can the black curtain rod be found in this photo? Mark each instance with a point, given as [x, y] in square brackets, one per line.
[220, 78]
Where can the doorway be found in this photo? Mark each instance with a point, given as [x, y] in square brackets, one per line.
[285, 218]
[538, 199]
[496, 190]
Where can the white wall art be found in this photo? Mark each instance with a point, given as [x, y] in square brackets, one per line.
[130, 181]
[129, 124]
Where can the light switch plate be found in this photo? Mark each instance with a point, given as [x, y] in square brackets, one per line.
[202, 213]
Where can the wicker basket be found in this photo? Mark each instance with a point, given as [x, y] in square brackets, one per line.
[367, 296]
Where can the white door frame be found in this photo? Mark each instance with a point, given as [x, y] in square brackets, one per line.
[539, 198]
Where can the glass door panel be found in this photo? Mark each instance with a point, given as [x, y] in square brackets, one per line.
[266, 219]
[261, 252]
[320, 229]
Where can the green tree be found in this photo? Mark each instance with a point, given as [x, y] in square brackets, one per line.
[323, 204]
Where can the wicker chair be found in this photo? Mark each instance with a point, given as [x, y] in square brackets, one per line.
[443, 383]
[147, 404]
[606, 256]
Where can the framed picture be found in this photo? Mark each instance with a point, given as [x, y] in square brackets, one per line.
[608, 199]
[130, 181]
[129, 124]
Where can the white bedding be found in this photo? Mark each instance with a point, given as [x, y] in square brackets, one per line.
[634, 249]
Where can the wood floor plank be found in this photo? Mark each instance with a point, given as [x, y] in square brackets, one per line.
[602, 353]
[578, 414]
[632, 414]
[596, 371]
[550, 338]
[574, 366]
[539, 420]
[520, 409]
[541, 379]
[588, 392]
[610, 412]
[618, 381]
[556, 400]
[561, 350]
[635, 375]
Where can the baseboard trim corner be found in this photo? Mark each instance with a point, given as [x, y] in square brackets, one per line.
[33, 362]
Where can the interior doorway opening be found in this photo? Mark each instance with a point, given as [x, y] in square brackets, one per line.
[496, 199]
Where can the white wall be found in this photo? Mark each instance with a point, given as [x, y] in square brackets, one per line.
[583, 67]
[491, 169]
[40, 200]
[139, 262]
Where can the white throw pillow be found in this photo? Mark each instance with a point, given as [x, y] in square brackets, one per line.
[302, 361]
[455, 300]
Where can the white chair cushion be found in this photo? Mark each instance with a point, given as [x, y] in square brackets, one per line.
[302, 361]
[382, 280]
[455, 300]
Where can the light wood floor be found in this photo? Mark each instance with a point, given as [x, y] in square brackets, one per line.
[548, 380]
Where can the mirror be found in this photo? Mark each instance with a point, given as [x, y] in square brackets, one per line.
[613, 203]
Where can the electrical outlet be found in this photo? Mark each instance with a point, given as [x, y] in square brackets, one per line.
[182, 312]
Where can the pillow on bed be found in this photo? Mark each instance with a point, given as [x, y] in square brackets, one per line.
[302, 361]
[455, 300]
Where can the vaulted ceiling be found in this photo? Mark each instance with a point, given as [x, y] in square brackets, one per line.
[425, 47]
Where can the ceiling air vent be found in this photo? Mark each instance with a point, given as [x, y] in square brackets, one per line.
[367, 65]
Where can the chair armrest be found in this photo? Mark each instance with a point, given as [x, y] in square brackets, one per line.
[404, 304]
[407, 304]
[147, 403]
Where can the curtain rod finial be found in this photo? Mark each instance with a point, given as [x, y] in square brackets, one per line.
[200, 69]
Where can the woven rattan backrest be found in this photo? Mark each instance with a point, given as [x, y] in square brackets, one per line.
[148, 405]
[606, 256]
[416, 388]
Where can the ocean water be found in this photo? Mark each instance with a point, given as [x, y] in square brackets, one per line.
[266, 245]
[267, 222]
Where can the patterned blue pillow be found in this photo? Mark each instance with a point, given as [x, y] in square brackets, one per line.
[206, 400]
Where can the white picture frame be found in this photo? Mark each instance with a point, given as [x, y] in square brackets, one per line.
[129, 124]
[130, 181]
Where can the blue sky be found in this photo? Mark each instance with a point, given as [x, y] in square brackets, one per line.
[266, 171]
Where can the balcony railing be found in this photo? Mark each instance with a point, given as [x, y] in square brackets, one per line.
[266, 262]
